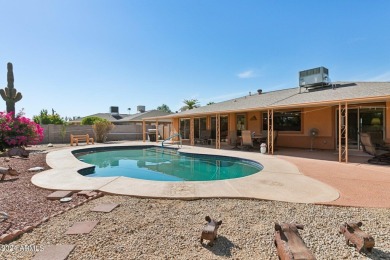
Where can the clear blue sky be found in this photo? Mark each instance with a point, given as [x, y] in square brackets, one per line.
[81, 57]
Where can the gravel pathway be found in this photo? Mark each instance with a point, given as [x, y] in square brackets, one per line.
[170, 229]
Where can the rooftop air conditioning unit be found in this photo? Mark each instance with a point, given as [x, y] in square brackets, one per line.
[314, 77]
[114, 110]
[141, 109]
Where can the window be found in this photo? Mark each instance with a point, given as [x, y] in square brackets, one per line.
[199, 126]
[241, 124]
[284, 121]
[185, 128]
[223, 127]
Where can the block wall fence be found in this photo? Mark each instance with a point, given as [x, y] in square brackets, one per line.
[53, 133]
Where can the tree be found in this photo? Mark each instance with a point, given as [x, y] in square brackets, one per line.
[164, 108]
[10, 94]
[44, 118]
[210, 103]
[190, 104]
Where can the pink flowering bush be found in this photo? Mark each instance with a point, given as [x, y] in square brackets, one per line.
[20, 131]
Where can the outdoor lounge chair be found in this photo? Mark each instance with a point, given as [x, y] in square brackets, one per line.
[246, 139]
[377, 140]
[381, 154]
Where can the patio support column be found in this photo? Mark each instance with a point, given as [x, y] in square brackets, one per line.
[143, 131]
[156, 131]
[343, 132]
[217, 131]
[270, 136]
[192, 132]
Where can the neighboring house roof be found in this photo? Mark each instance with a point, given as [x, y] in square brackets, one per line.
[121, 118]
[327, 95]
[107, 116]
[141, 116]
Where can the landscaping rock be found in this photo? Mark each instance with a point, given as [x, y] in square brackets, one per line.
[36, 169]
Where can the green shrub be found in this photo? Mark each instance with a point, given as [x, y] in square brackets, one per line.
[90, 120]
[101, 129]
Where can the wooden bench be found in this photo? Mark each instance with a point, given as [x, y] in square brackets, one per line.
[80, 138]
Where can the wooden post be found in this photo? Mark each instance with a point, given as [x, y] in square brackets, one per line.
[343, 132]
[270, 136]
[143, 131]
[156, 131]
[192, 131]
[218, 131]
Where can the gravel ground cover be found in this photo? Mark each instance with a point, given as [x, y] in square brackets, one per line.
[25, 203]
[170, 229]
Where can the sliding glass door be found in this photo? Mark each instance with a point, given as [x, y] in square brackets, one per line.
[363, 120]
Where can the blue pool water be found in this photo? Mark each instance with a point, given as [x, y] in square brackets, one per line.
[164, 164]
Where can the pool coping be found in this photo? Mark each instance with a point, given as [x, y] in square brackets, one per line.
[279, 180]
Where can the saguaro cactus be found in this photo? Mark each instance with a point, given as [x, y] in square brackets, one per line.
[9, 94]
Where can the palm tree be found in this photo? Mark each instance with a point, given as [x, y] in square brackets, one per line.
[190, 104]
[164, 108]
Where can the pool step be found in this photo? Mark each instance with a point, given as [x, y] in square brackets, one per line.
[162, 150]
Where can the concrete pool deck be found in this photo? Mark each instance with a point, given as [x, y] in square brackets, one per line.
[279, 180]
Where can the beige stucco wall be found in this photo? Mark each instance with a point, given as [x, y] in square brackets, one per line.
[254, 122]
[321, 118]
[387, 126]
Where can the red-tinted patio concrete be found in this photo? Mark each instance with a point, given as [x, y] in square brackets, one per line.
[359, 183]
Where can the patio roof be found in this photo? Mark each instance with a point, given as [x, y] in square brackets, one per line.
[351, 92]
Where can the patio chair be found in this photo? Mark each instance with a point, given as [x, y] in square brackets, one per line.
[377, 140]
[381, 154]
[246, 139]
[233, 139]
[369, 147]
[204, 137]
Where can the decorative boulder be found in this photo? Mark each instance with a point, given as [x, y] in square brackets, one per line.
[36, 169]
[18, 151]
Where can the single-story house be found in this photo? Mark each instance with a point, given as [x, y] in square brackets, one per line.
[320, 116]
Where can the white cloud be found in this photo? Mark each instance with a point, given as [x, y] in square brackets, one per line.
[247, 74]
[382, 77]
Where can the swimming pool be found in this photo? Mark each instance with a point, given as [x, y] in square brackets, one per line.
[164, 164]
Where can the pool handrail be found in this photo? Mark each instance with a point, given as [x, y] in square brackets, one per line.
[172, 136]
